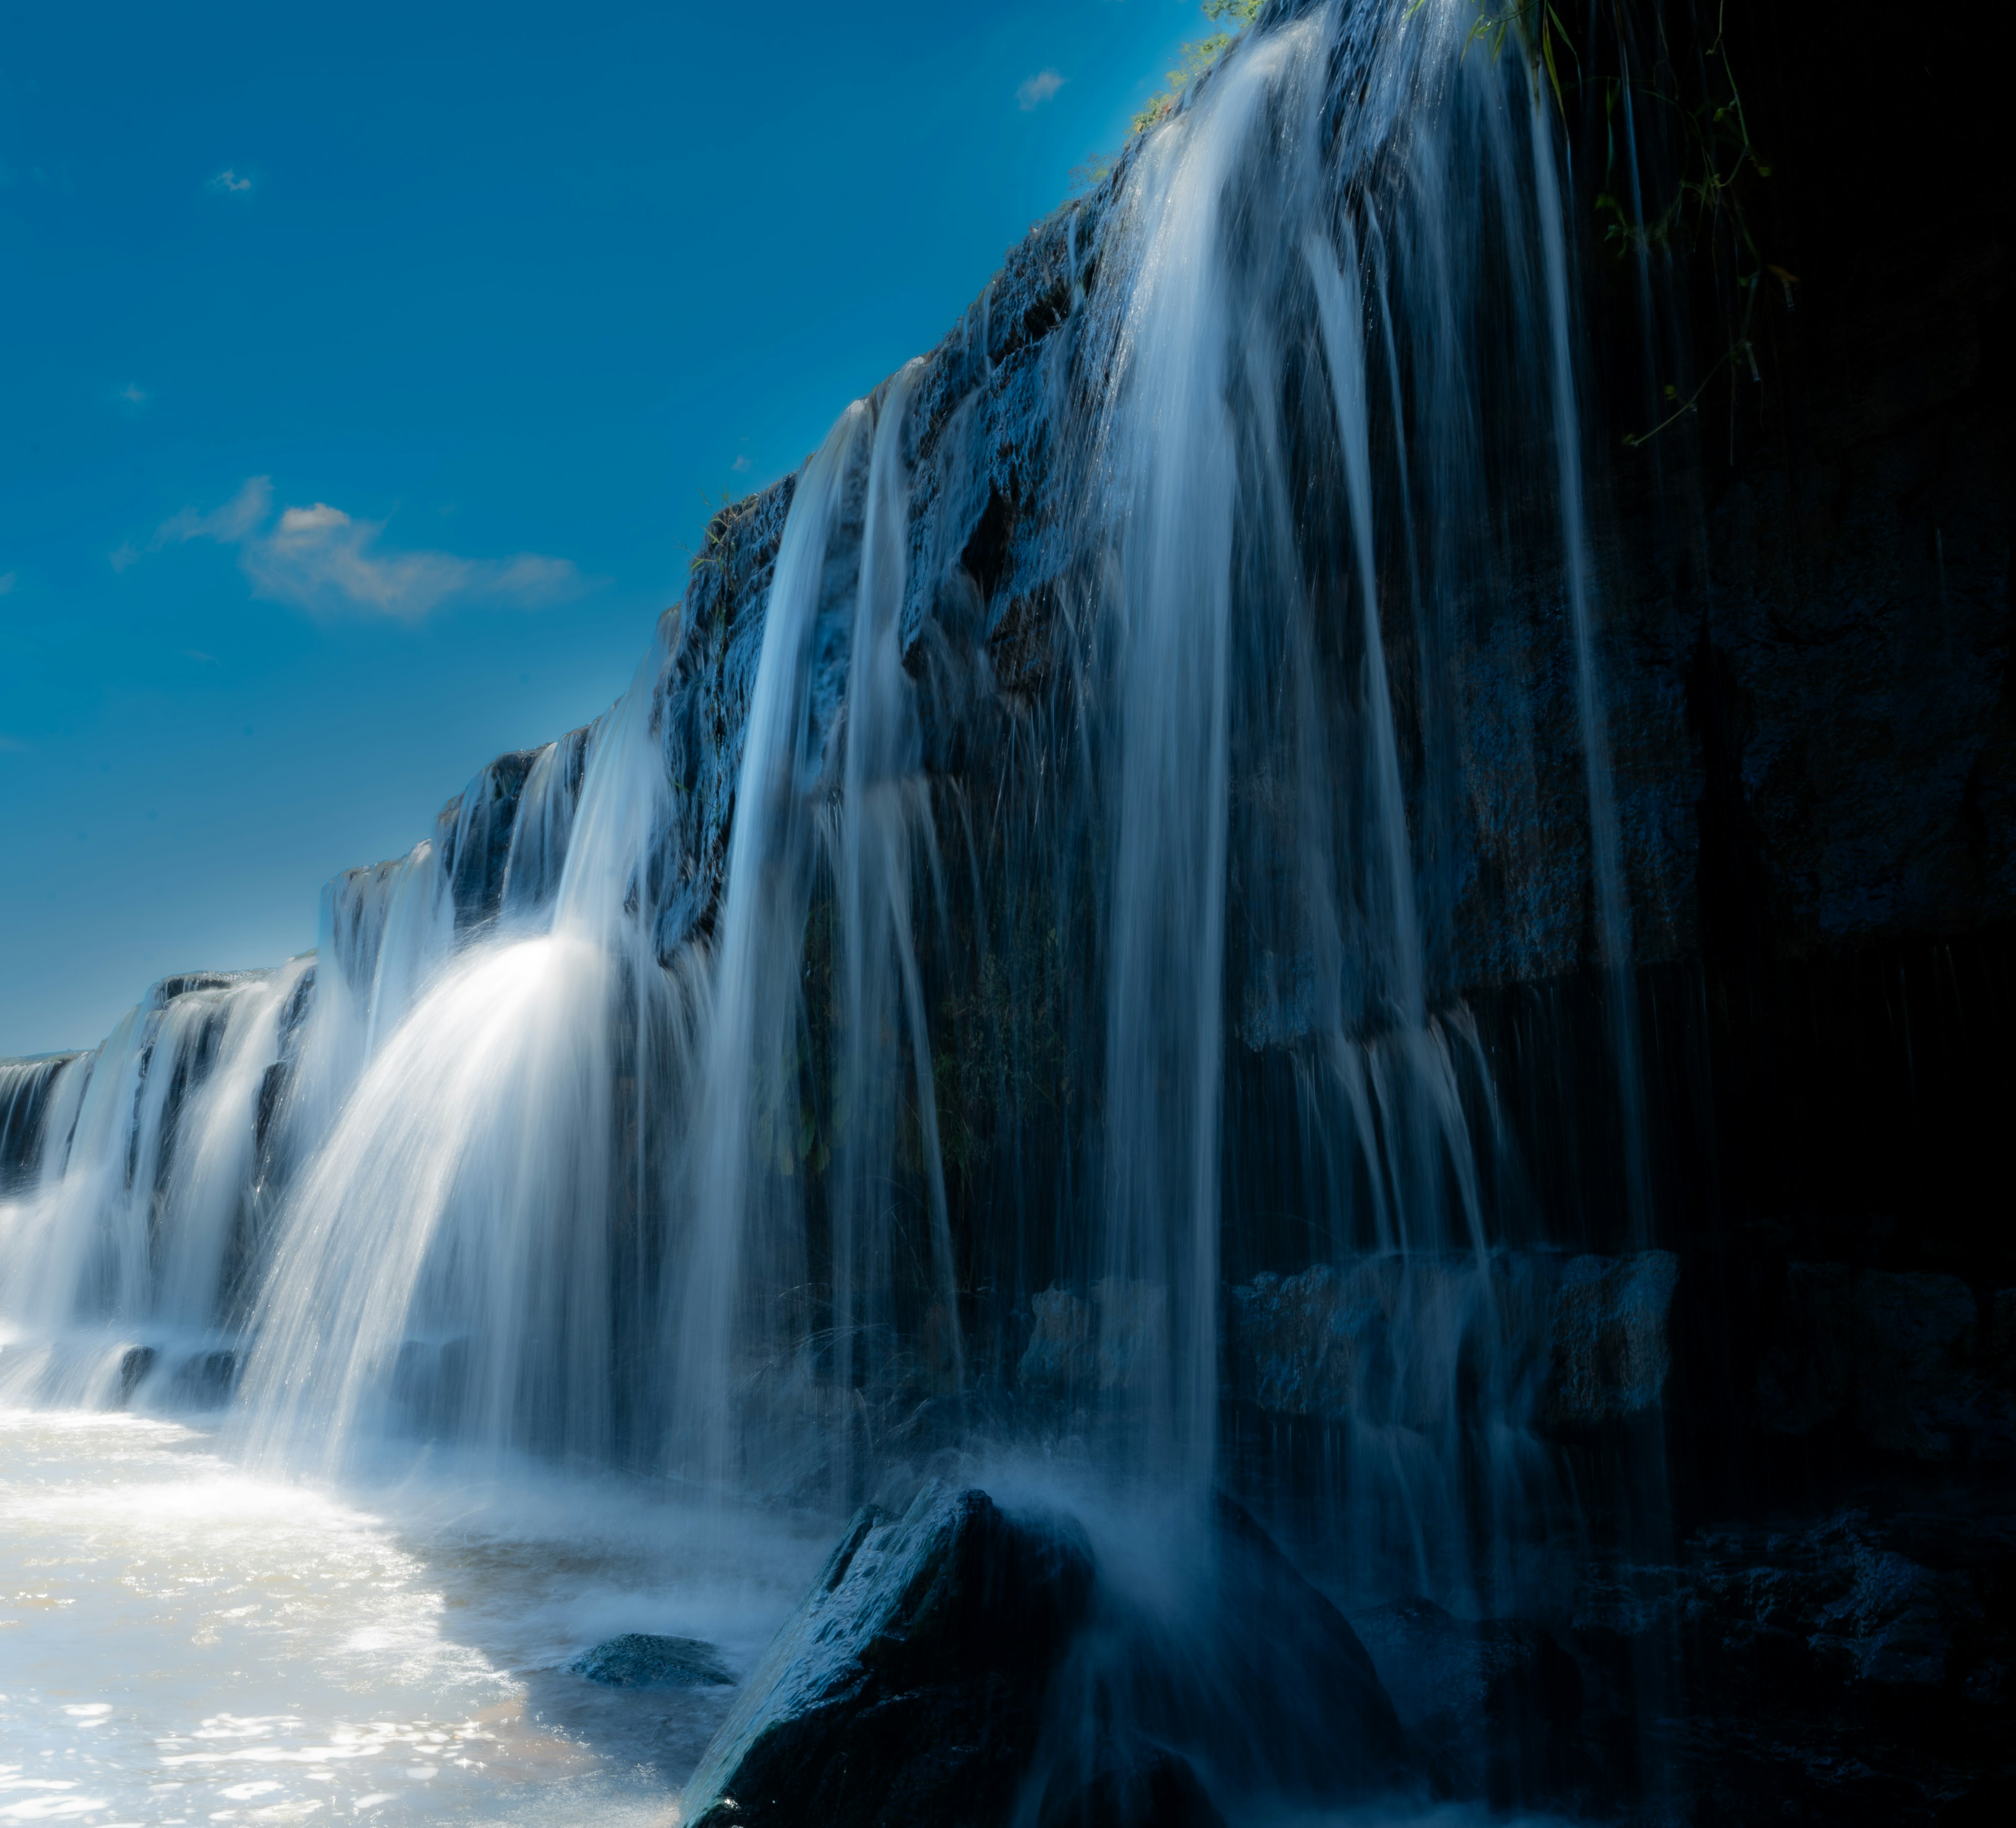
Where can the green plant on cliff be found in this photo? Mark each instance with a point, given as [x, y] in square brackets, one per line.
[1231, 17]
[1706, 214]
[1719, 164]
[1533, 25]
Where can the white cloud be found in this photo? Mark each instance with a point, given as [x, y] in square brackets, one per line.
[741, 464]
[320, 559]
[228, 525]
[1039, 89]
[7, 579]
[229, 182]
[133, 393]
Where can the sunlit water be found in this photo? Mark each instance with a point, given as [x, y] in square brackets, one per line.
[183, 1642]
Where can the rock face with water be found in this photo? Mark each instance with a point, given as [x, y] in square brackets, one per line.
[1590, 1333]
[908, 1688]
[1506, 1249]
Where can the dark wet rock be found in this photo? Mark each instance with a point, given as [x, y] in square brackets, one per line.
[1851, 1669]
[25, 1090]
[1495, 1703]
[191, 983]
[205, 1381]
[1915, 1362]
[1295, 1344]
[1230, 1661]
[636, 1661]
[1607, 1342]
[1922, 1387]
[472, 836]
[907, 1687]
[1850, 1600]
[714, 637]
[1141, 1785]
[1292, 1675]
[1081, 1345]
[135, 1365]
[1586, 1336]
[1803, 1380]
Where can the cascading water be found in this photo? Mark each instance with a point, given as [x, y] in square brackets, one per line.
[915, 1090]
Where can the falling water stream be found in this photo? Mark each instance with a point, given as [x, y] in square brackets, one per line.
[378, 1330]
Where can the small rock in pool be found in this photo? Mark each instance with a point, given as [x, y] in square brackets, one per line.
[636, 1661]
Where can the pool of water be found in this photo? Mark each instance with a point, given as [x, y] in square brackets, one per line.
[183, 1640]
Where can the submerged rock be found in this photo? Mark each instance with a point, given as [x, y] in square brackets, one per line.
[135, 1365]
[635, 1660]
[907, 1687]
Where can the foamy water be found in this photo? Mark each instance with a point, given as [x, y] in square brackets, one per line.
[181, 1641]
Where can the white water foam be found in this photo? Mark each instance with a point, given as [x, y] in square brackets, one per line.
[184, 1641]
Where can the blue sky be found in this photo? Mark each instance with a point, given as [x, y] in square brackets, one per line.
[363, 372]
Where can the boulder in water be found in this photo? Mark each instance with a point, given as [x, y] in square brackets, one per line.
[134, 1364]
[906, 1691]
[635, 1660]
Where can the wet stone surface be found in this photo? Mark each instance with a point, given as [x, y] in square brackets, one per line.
[635, 1660]
[907, 1688]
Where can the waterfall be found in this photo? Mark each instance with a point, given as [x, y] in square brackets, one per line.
[743, 1247]
[867, 1041]
[447, 1251]
[1172, 461]
[124, 1240]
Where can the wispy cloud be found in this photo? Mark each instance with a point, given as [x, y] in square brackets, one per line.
[7, 581]
[1038, 89]
[12, 744]
[321, 559]
[230, 183]
[741, 464]
[133, 393]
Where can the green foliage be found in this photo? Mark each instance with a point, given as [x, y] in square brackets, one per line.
[1094, 171]
[1532, 24]
[1706, 214]
[721, 517]
[1198, 57]
[1720, 163]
